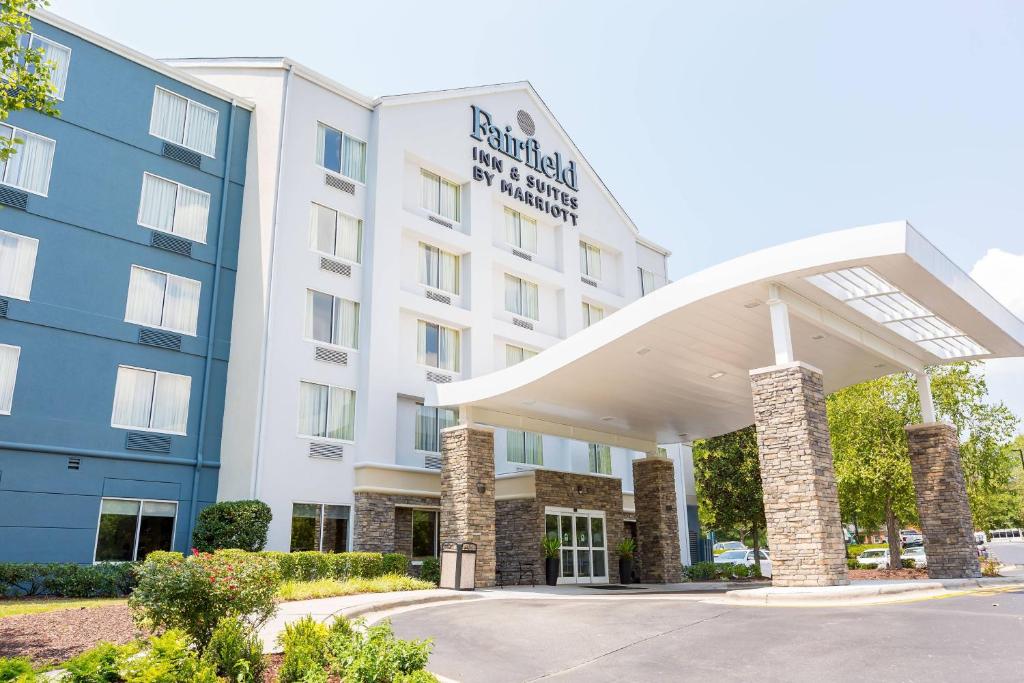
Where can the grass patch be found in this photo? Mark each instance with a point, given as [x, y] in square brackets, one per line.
[329, 588]
[856, 549]
[10, 607]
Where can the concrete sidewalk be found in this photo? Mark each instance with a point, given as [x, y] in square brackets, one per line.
[861, 592]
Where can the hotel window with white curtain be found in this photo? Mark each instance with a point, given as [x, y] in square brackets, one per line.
[151, 400]
[520, 231]
[650, 281]
[336, 234]
[171, 207]
[429, 423]
[56, 55]
[29, 167]
[158, 299]
[600, 458]
[340, 152]
[521, 297]
[590, 261]
[9, 356]
[17, 264]
[184, 122]
[130, 528]
[326, 412]
[524, 448]
[516, 354]
[591, 314]
[441, 196]
[439, 269]
[331, 319]
[437, 346]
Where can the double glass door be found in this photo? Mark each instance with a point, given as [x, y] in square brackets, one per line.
[583, 538]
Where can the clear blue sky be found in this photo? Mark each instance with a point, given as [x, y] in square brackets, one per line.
[721, 127]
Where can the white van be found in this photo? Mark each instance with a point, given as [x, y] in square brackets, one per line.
[1006, 536]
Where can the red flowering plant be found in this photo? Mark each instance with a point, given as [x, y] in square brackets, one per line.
[193, 594]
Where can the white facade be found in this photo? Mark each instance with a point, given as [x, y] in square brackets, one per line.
[264, 454]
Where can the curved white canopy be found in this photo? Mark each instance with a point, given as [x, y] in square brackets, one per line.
[674, 365]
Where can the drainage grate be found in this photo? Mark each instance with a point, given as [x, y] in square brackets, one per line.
[525, 324]
[438, 378]
[588, 281]
[613, 587]
[14, 198]
[163, 340]
[162, 240]
[153, 443]
[179, 153]
[339, 184]
[336, 267]
[329, 451]
[432, 462]
[522, 254]
[439, 221]
[3, 308]
[434, 296]
[330, 356]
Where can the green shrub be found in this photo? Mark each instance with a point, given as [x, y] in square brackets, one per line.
[854, 564]
[373, 654]
[394, 563]
[68, 580]
[430, 570]
[168, 659]
[364, 566]
[311, 565]
[703, 571]
[165, 556]
[989, 567]
[419, 676]
[305, 649]
[739, 571]
[196, 593]
[20, 579]
[235, 652]
[17, 669]
[908, 563]
[240, 524]
[101, 664]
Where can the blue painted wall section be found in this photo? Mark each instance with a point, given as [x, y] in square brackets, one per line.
[72, 333]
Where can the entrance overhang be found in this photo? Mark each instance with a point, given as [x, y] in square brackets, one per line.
[674, 365]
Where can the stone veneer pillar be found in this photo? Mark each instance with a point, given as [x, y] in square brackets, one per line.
[657, 521]
[467, 514]
[942, 505]
[801, 501]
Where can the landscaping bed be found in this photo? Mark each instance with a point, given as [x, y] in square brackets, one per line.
[55, 636]
[888, 574]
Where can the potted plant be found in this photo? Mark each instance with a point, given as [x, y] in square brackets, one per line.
[626, 548]
[552, 548]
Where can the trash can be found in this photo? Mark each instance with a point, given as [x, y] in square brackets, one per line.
[458, 566]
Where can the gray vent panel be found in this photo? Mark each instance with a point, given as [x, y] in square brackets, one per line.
[439, 221]
[152, 443]
[330, 356]
[440, 298]
[432, 462]
[438, 378]
[179, 153]
[587, 280]
[162, 240]
[13, 198]
[336, 267]
[331, 451]
[163, 340]
[74, 463]
[339, 183]
[3, 308]
[522, 254]
[525, 324]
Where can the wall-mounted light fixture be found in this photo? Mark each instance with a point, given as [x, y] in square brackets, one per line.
[481, 487]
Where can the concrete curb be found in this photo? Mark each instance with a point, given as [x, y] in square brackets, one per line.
[860, 594]
[370, 609]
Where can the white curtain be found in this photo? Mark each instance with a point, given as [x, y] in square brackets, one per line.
[350, 238]
[181, 304]
[529, 234]
[341, 416]
[192, 213]
[590, 260]
[512, 227]
[354, 161]
[8, 375]
[321, 139]
[312, 409]
[421, 342]
[167, 120]
[346, 319]
[17, 264]
[153, 508]
[513, 355]
[133, 397]
[429, 257]
[323, 222]
[448, 272]
[59, 58]
[128, 508]
[448, 349]
[426, 429]
[534, 446]
[600, 459]
[515, 446]
[145, 297]
[29, 168]
[430, 193]
[170, 402]
[156, 208]
[512, 285]
[449, 201]
[531, 305]
[201, 129]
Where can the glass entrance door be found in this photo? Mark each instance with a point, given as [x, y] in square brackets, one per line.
[584, 552]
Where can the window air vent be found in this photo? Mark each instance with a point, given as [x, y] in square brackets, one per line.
[14, 198]
[432, 462]
[587, 280]
[336, 267]
[439, 221]
[3, 308]
[74, 463]
[525, 324]
[438, 378]
[153, 443]
[162, 240]
[330, 356]
[163, 340]
[330, 451]
[522, 254]
[185, 156]
[436, 296]
[339, 183]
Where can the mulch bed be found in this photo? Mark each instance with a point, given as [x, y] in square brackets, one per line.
[57, 636]
[274, 664]
[900, 574]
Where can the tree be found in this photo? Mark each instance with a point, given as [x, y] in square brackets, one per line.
[28, 75]
[728, 479]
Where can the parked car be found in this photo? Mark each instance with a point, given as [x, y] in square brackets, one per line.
[874, 557]
[917, 555]
[915, 541]
[746, 557]
[728, 545]
[1006, 536]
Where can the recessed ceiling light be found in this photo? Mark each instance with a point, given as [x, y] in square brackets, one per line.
[643, 350]
[752, 304]
[607, 418]
[879, 365]
[529, 403]
[818, 337]
[716, 375]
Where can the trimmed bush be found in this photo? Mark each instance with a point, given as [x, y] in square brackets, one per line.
[739, 571]
[238, 524]
[854, 564]
[702, 571]
[67, 580]
[363, 566]
[235, 652]
[908, 564]
[430, 570]
[394, 563]
[305, 649]
[21, 579]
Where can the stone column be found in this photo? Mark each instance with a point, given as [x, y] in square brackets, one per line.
[467, 494]
[801, 501]
[942, 501]
[657, 523]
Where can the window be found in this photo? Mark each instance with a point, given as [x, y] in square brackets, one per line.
[29, 167]
[424, 534]
[9, 356]
[591, 314]
[520, 231]
[600, 458]
[439, 269]
[337, 234]
[175, 208]
[516, 354]
[590, 260]
[157, 299]
[57, 56]
[650, 281]
[521, 297]
[437, 346]
[184, 122]
[17, 264]
[429, 423]
[326, 412]
[130, 529]
[151, 400]
[317, 527]
[441, 196]
[332, 320]
[341, 153]
[525, 448]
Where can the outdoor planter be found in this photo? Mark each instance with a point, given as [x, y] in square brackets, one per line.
[625, 570]
[551, 570]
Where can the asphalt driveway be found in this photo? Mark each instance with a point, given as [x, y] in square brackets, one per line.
[975, 637]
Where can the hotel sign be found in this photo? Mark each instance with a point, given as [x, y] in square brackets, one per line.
[546, 182]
